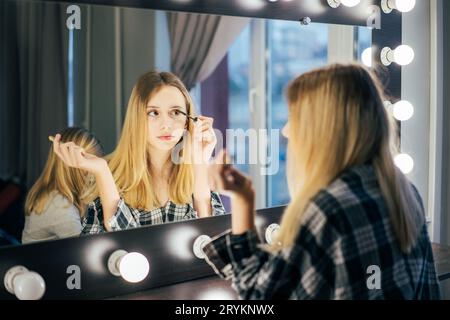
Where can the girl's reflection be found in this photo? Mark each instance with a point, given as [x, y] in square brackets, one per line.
[54, 205]
[150, 177]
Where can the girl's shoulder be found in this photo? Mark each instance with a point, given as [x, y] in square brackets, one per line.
[56, 201]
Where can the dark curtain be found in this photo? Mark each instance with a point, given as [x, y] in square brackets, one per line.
[34, 84]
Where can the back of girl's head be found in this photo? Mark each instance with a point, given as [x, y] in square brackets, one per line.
[337, 114]
[57, 176]
[337, 120]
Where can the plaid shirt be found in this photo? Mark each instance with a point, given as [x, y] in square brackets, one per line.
[126, 217]
[346, 229]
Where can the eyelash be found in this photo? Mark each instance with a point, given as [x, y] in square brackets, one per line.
[177, 112]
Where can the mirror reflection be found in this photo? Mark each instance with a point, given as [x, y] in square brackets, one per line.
[112, 115]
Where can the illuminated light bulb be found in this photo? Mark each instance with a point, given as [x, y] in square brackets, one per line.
[347, 3]
[400, 5]
[350, 3]
[403, 110]
[199, 244]
[131, 266]
[402, 55]
[271, 232]
[366, 57]
[24, 284]
[404, 162]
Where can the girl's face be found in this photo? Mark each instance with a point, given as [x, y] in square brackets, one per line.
[166, 123]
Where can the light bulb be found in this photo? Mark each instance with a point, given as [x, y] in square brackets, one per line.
[404, 162]
[404, 5]
[131, 266]
[400, 5]
[271, 232]
[347, 3]
[403, 110]
[366, 57]
[402, 55]
[350, 3]
[24, 284]
[199, 244]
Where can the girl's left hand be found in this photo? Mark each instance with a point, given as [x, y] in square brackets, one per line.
[230, 181]
[204, 140]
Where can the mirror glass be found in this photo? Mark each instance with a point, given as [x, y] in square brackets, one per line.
[75, 66]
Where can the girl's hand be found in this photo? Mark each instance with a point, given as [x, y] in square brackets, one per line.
[228, 180]
[204, 140]
[74, 156]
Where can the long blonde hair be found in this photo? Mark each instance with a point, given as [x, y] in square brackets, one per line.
[130, 161]
[57, 176]
[337, 120]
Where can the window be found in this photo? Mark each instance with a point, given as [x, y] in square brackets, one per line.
[288, 50]
[238, 84]
[293, 51]
[363, 40]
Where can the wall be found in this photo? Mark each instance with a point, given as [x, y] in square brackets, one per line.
[416, 89]
[445, 226]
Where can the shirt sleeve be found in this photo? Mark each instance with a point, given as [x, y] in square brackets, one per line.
[124, 218]
[305, 271]
[217, 207]
[216, 204]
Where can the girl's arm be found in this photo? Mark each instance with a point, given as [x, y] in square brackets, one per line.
[74, 156]
[202, 191]
[109, 195]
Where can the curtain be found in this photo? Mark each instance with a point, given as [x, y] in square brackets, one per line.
[199, 42]
[41, 42]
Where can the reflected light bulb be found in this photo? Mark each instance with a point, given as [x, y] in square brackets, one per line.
[404, 162]
[403, 110]
[131, 266]
[366, 57]
[24, 284]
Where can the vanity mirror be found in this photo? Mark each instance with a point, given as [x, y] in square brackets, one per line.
[75, 65]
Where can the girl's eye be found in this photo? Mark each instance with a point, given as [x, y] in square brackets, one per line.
[176, 113]
[153, 113]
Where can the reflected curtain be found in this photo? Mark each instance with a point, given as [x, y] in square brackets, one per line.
[199, 42]
[35, 101]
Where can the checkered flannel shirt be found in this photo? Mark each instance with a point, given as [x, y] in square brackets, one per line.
[127, 217]
[346, 229]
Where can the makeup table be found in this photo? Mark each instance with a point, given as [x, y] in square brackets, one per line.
[214, 288]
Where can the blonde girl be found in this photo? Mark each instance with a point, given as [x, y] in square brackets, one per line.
[54, 204]
[355, 228]
[158, 171]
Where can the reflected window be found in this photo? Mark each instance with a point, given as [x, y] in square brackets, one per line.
[363, 40]
[293, 51]
[238, 88]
